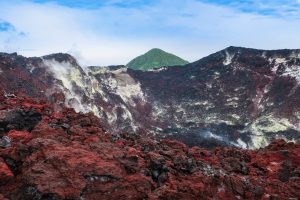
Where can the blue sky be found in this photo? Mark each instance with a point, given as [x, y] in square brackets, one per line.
[265, 7]
[106, 32]
[94, 4]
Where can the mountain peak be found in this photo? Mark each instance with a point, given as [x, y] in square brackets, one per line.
[253, 50]
[156, 50]
[155, 58]
[61, 57]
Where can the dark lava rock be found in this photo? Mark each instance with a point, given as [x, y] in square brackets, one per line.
[18, 119]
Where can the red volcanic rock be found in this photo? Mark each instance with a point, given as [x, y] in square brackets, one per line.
[67, 171]
[2, 197]
[19, 136]
[2, 98]
[68, 155]
[5, 172]
[57, 115]
[175, 144]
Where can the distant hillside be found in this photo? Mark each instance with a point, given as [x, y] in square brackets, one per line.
[155, 58]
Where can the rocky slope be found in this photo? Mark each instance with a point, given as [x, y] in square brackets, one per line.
[235, 97]
[68, 155]
[155, 58]
[238, 96]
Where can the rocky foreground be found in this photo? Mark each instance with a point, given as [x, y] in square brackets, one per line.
[68, 155]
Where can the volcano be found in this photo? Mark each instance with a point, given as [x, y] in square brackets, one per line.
[236, 97]
[155, 58]
[224, 127]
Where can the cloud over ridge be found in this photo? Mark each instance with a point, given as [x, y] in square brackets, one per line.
[115, 31]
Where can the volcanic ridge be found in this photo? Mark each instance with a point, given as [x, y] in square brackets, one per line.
[224, 127]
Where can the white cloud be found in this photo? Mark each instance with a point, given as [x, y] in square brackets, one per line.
[114, 35]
